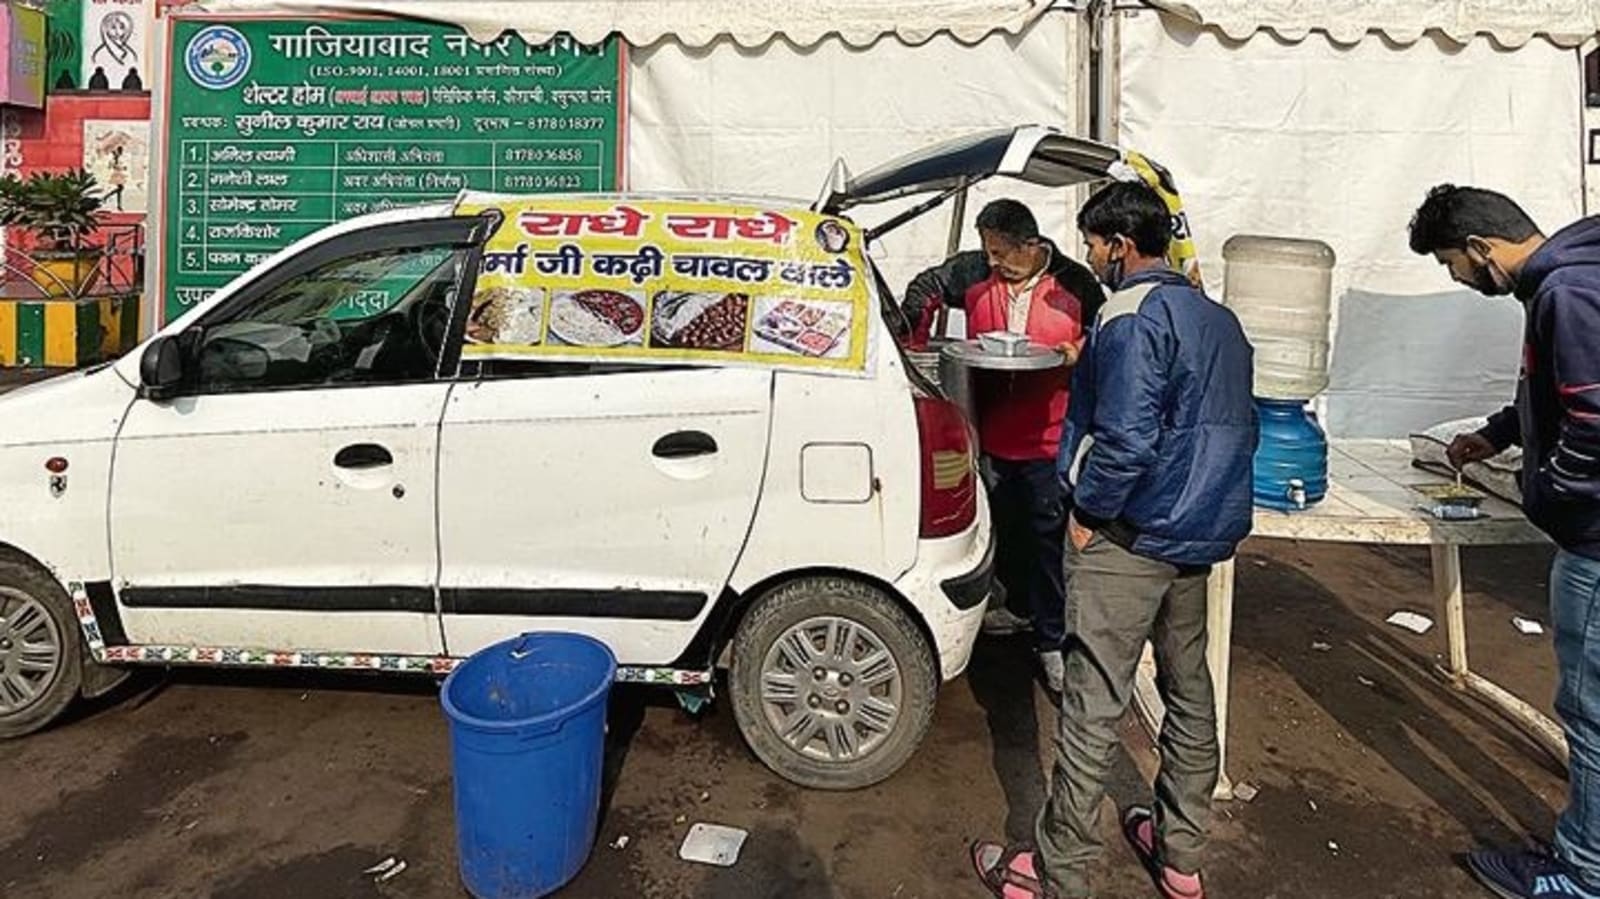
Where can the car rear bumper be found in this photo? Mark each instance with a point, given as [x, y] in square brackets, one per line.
[970, 590]
[950, 586]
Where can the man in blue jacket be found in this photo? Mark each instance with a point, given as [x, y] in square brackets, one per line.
[1157, 458]
[1490, 244]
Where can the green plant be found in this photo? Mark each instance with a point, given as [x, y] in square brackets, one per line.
[60, 208]
[11, 191]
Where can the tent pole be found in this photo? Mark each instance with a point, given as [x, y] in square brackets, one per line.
[1102, 70]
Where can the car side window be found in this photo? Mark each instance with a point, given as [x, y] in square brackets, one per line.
[375, 317]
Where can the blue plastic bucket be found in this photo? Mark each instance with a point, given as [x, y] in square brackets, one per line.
[527, 741]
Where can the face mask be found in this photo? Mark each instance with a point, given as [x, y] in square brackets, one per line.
[1487, 281]
[1112, 275]
[1114, 271]
[1487, 278]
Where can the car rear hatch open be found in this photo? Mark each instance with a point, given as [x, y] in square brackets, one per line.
[1036, 154]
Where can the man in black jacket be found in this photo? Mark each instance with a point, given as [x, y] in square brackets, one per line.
[945, 286]
[1490, 244]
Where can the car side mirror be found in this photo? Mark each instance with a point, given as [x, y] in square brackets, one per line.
[161, 368]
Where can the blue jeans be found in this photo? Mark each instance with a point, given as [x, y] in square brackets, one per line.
[1575, 615]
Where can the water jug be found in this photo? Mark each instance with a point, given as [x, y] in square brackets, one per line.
[1281, 290]
[1291, 463]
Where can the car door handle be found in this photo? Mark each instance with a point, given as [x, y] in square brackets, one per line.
[359, 456]
[684, 445]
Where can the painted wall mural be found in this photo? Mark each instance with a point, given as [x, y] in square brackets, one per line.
[116, 44]
[117, 153]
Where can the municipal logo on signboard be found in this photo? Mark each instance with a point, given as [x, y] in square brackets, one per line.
[218, 57]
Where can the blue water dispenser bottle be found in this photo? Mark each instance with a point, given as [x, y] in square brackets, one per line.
[1281, 290]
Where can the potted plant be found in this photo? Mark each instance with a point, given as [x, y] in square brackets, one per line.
[61, 209]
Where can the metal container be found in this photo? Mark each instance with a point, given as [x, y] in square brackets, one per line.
[955, 379]
[958, 359]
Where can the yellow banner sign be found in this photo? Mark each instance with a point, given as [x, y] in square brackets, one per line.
[670, 282]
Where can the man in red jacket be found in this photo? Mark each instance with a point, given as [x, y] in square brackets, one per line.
[1020, 415]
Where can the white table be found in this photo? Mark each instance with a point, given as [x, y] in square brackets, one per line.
[1371, 500]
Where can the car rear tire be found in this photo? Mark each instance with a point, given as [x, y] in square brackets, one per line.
[40, 647]
[833, 684]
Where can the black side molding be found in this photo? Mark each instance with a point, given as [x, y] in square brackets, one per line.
[282, 599]
[658, 605]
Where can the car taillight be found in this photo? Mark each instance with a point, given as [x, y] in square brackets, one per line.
[949, 468]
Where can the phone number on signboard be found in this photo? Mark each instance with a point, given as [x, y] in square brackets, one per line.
[566, 123]
[544, 181]
[515, 154]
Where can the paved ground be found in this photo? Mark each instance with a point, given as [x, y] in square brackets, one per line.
[253, 786]
[1373, 777]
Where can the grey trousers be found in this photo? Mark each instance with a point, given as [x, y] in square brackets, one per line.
[1115, 602]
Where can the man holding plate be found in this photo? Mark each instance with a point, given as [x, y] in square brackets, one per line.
[1020, 284]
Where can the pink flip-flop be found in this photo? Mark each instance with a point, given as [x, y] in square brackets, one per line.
[1008, 873]
[1139, 828]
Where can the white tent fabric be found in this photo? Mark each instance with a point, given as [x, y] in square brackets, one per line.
[694, 23]
[724, 119]
[1341, 143]
[1512, 23]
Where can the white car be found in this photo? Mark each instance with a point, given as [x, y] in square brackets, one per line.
[269, 482]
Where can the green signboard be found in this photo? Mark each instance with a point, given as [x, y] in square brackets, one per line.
[275, 127]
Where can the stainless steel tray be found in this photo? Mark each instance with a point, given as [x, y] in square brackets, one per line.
[972, 355]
